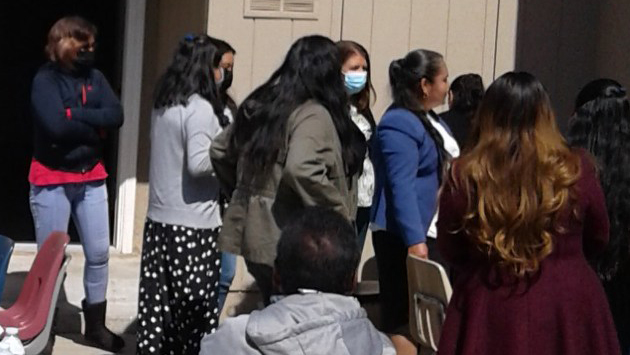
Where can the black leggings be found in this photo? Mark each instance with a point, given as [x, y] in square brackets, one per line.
[391, 259]
[263, 274]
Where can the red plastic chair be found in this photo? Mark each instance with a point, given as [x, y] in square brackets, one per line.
[30, 312]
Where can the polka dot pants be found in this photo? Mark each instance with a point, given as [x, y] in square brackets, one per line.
[179, 276]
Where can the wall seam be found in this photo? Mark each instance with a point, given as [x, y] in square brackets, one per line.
[372, 28]
[343, 9]
[207, 12]
[496, 42]
[251, 69]
[409, 33]
[448, 26]
[483, 47]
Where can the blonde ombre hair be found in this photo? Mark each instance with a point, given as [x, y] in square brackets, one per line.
[518, 176]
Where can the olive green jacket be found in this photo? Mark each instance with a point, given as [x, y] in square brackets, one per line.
[310, 171]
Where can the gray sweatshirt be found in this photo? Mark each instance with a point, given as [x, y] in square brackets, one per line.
[301, 324]
[182, 188]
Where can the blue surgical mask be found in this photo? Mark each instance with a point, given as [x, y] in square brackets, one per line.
[355, 81]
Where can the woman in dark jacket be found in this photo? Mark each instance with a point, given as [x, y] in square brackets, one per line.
[73, 107]
[601, 125]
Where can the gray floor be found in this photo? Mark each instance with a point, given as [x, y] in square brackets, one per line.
[122, 295]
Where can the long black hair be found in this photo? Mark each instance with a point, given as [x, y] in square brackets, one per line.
[405, 75]
[222, 48]
[191, 72]
[601, 125]
[362, 99]
[467, 90]
[310, 71]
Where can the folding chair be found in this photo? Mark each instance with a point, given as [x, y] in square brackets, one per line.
[429, 294]
[33, 311]
[36, 345]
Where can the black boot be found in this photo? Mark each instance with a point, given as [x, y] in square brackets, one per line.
[95, 330]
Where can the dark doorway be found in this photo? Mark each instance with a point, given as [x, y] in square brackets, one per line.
[23, 29]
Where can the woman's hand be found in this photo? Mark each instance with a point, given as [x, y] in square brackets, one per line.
[420, 250]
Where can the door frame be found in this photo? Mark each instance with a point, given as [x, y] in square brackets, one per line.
[128, 136]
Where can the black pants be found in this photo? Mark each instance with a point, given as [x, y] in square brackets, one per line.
[391, 260]
[435, 255]
[362, 223]
[263, 274]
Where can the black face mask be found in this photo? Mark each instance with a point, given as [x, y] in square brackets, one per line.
[84, 61]
[227, 80]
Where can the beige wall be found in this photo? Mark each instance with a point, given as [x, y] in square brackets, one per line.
[262, 43]
[465, 31]
[166, 22]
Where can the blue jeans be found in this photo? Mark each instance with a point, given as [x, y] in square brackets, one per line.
[52, 207]
[228, 270]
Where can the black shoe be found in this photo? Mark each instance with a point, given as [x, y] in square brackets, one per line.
[95, 330]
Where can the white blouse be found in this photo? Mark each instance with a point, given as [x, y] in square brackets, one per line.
[366, 180]
[451, 147]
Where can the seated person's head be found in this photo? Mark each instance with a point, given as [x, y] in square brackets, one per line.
[318, 250]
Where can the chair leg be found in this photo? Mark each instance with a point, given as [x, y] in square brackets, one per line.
[425, 351]
[48, 350]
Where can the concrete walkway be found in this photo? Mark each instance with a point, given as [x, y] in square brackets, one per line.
[122, 296]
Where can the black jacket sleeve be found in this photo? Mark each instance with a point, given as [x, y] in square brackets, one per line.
[107, 113]
[49, 113]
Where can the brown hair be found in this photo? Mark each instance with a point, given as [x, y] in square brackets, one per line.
[518, 176]
[346, 50]
[64, 37]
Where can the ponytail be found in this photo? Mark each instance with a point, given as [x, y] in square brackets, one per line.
[405, 75]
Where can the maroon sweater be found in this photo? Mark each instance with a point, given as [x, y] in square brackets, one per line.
[560, 311]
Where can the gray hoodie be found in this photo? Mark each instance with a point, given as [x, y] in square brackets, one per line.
[307, 324]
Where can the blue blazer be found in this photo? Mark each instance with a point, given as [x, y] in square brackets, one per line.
[405, 160]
